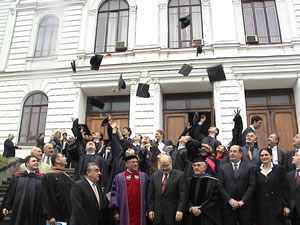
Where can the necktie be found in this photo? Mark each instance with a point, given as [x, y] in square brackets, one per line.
[48, 160]
[235, 170]
[297, 176]
[96, 194]
[164, 183]
[250, 153]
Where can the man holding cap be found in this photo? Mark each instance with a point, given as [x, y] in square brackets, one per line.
[128, 194]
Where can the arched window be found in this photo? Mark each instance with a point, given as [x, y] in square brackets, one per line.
[112, 25]
[260, 21]
[47, 37]
[34, 118]
[183, 38]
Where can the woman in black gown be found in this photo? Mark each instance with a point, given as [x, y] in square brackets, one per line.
[272, 195]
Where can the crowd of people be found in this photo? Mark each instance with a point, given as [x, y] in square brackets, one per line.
[139, 181]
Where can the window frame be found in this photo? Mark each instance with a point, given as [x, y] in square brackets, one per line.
[54, 26]
[31, 106]
[107, 12]
[179, 40]
[266, 20]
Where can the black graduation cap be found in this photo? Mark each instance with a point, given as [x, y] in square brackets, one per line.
[185, 70]
[185, 21]
[73, 65]
[196, 118]
[105, 122]
[126, 158]
[197, 159]
[97, 103]
[216, 73]
[85, 128]
[199, 50]
[121, 84]
[143, 90]
[96, 61]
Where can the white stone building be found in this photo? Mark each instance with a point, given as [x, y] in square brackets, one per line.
[258, 44]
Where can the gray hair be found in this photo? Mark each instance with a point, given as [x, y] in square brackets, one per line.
[89, 167]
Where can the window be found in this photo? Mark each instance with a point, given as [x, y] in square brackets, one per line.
[260, 19]
[182, 38]
[47, 36]
[112, 25]
[119, 104]
[34, 118]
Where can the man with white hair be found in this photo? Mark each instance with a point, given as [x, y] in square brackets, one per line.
[48, 152]
[9, 147]
[203, 200]
[42, 167]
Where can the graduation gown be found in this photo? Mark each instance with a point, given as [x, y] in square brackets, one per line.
[56, 202]
[203, 191]
[23, 197]
[119, 198]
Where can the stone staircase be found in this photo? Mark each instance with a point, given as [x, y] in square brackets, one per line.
[3, 189]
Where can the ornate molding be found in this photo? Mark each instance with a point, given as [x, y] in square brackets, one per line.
[236, 2]
[162, 6]
[205, 2]
[92, 12]
[133, 9]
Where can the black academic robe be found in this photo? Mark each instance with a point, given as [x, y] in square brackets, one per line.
[23, 197]
[56, 188]
[206, 195]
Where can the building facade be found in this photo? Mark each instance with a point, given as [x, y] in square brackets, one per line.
[257, 42]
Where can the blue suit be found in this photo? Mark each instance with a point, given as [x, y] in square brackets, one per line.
[255, 162]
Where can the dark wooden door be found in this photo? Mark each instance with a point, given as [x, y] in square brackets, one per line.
[279, 121]
[174, 124]
[94, 123]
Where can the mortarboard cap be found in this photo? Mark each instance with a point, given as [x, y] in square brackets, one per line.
[185, 21]
[121, 84]
[97, 103]
[73, 65]
[96, 61]
[216, 73]
[199, 50]
[185, 70]
[85, 128]
[196, 118]
[197, 159]
[143, 90]
[105, 122]
[126, 158]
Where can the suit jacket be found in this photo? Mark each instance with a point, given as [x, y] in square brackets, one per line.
[85, 208]
[288, 161]
[255, 162]
[240, 188]
[246, 131]
[294, 192]
[171, 200]
[281, 156]
[43, 168]
[9, 148]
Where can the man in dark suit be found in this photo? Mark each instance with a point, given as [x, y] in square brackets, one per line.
[277, 153]
[83, 159]
[294, 188]
[211, 139]
[250, 152]
[289, 166]
[87, 199]
[256, 123]
[166, 194]
[9, 147]
[237, 185]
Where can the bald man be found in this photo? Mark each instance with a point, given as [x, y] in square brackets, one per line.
[166, 194]
[42, 167]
